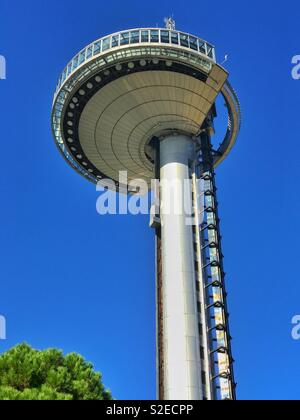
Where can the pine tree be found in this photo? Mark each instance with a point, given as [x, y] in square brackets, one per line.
[28, 374]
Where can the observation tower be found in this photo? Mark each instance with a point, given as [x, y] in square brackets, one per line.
[144, 101]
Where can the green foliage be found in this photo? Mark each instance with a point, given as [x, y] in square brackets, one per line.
[28, 374]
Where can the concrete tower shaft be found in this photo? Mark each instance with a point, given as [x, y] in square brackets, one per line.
[182, 376]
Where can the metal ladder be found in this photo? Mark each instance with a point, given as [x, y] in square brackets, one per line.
[220, 372]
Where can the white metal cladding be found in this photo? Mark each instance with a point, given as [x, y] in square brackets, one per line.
[182, 363]
[119, 120]
[137, 36]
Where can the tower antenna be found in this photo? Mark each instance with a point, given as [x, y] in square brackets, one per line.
[170, 23]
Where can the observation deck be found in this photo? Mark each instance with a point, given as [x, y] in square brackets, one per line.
[124, 89]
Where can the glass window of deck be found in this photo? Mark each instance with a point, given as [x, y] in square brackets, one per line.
[75, 63]
[89, 52]
[106, 44]
[210, 52]
[69, 69]
[154, 36]
[184, 40]
[134, 37]
[115, 41]
[145, 36]
[81, 57]
[202, 47]
[97, 48]
[174, 38]
[165, 37]
[193, 43]
[124, 38]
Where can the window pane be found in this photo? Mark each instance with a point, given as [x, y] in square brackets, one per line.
[115, 41]
[124, 38]
[184, 40]
[89, 52]
[202, 47]
[96, 48]
[154, 36]
[69, 68]
[75, 63]
[145, 36]
[165, 37]
[134, 37]
[210, 51]
[193, 43]
[174, 38]
[81, 57]
[106, 44]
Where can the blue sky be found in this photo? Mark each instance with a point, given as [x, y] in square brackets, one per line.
[74, 280]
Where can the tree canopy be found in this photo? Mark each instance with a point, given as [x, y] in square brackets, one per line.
[28, 374]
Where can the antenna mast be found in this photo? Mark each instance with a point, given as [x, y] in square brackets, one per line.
[170, 23]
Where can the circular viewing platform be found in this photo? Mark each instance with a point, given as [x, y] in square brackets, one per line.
[126, 88]
[137, 36]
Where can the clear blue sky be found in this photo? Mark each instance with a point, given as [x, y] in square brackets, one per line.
[81, 282]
